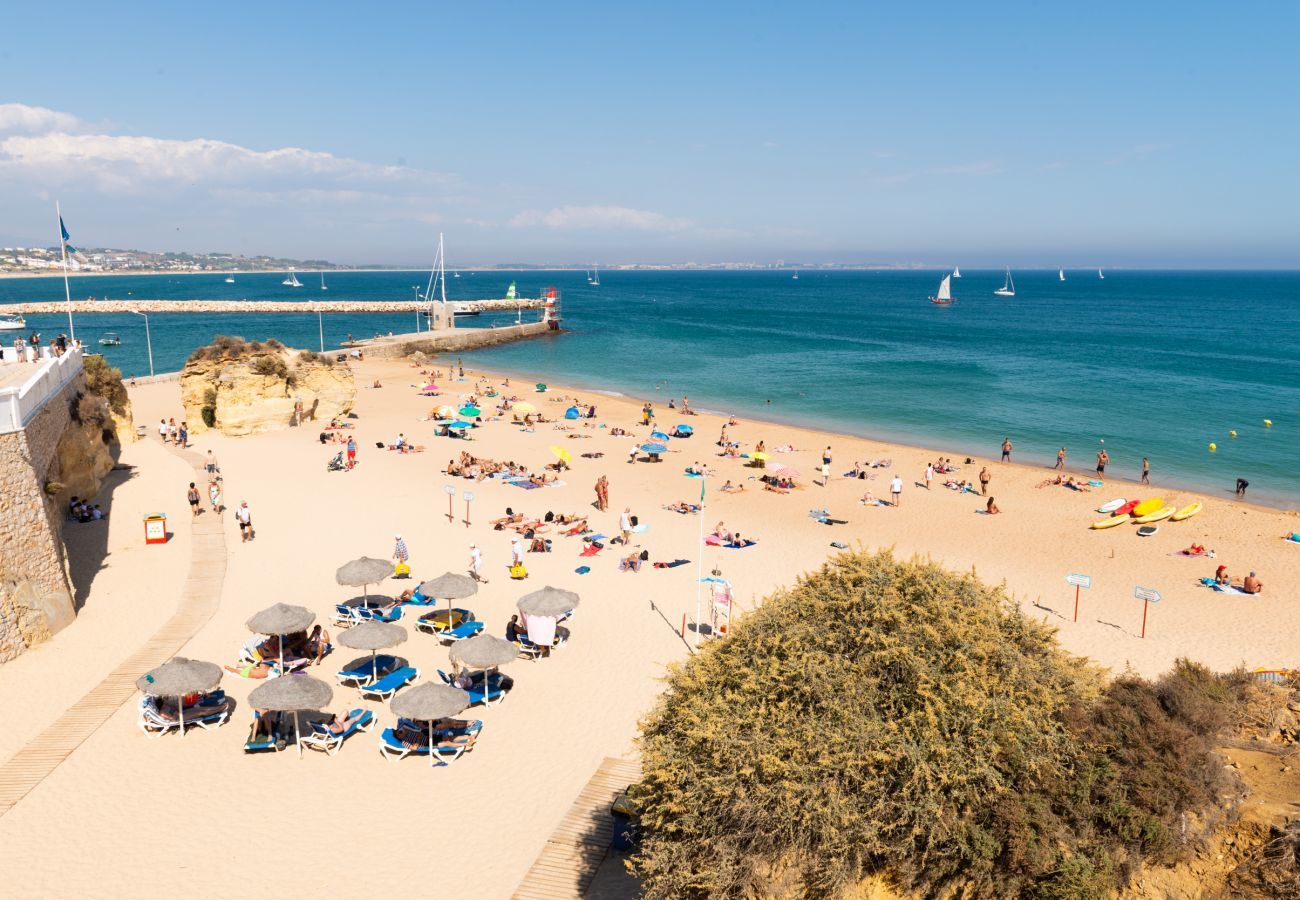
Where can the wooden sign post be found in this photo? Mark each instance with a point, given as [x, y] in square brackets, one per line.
[450, 490]
[1147, 596]
[469, 498]
[1079, 581]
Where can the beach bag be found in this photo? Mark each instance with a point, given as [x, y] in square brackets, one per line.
[402, 570]
[634, 521]
[518, 572]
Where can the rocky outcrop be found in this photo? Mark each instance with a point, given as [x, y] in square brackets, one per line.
[242, 388]
[105, 381]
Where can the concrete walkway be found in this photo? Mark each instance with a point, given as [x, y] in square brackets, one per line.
[200, 597]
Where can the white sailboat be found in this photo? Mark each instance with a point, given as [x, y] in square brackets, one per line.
[12, 322]
[322, 282]
[230, 279]
[1008, 288]
[1060, 273]
[944, 296]
[594, 278]
[956, 271]
[795, 277]
[1101, 276]
[291, 280]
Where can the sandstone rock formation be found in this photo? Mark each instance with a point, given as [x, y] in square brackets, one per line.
[239, 387]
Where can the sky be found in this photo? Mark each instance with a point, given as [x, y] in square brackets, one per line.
[1028, 134]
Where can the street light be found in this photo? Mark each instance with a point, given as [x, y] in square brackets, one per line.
[320, 325]
[147, 340]
[416, 288]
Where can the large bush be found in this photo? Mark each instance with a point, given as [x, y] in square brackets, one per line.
[887, 717]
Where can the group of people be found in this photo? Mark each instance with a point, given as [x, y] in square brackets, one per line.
[171, 433]
[83, 511]
[269, 657]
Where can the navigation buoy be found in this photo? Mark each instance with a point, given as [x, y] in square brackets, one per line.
[1214, 447]
[1232, 434]
[1268, 423]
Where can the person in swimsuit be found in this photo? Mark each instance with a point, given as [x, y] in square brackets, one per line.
[193, 495]
[1006, 449]
[1146, 471]
[1060, 458]
[1102, 458]
[1252, 584]
[984, 480]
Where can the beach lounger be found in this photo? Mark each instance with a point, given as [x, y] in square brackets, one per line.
[437, 621]
[460, 632]
[275, 742]
[367, 671]
[496, 691]
[210, 712]
[391, 748]
[321, 738]
[369, 614]
[391, 683]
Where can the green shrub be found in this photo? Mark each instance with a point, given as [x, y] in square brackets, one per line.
[887, 717]
[106, 381]
[270, 366]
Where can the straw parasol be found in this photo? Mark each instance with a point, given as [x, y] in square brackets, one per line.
[483, 651]
[549, 601]
[373, 636]
[178, 677]
[430, 702]
[449, 586]
[292, 693]
[363, 572]
[281, 619]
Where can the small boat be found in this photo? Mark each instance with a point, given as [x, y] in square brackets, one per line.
[1110, 523]
[230, 279]
[795, 277]
[1008, 288]
[291, 281]
[12, 323]
[110, 339]
[455, 274]
[594, 279]
[944, 296]
[1060, 273]
[322, 282]
[1101, 276]
[956, 271]
[463, 310]
[1159, 515]
[1187, 511]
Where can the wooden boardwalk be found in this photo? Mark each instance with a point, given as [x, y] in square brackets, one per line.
[200, 597]
[573, 852]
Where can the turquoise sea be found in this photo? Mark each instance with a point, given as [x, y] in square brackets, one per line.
[1156, 364]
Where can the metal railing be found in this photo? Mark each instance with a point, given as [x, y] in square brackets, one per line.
[19, 405]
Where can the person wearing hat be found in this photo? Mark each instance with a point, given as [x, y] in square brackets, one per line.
[476, 563]
[1221, 575]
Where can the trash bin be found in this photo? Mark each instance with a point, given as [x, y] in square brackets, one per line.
[155, 528]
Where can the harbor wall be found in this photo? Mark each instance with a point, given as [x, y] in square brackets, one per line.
[457, 340]
[259, 306]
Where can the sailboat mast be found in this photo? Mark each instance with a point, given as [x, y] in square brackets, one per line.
[442, 269]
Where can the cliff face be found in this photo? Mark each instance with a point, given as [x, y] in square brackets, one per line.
[243, 389]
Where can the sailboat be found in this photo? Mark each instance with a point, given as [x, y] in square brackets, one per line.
[1060, 273]
[1008, 288]
[291, 280]
[594, 280]
[795, 277]
[455, 274]
[230, 279]
[944, 296]
[956, 271]
[322, 282]
[1101, 276]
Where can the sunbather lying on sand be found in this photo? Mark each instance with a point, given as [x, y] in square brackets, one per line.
[683, 507]
[732, 488]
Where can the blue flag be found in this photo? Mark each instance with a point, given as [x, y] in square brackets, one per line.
[64, 228]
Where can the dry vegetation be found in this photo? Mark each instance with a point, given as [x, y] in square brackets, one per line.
[892, 718]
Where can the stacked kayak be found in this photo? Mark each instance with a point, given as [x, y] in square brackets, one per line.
[1144, 512]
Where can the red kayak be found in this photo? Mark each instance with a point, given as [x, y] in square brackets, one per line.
[1126, 508]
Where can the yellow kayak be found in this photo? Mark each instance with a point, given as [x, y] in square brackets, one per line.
[1148, 506]
[1111, 522]
[1162, 513]
[1187, 511]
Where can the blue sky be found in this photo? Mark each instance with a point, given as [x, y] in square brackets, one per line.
[1153, 134]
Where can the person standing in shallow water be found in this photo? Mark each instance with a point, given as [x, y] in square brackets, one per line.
[1060, 458]
[1146, 471]
[1006, 450]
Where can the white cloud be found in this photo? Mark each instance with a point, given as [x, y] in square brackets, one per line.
[619, 217]
[19, 118]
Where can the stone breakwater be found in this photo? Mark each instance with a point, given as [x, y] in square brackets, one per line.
[258, 306]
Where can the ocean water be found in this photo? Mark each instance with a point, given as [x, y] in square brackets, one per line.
[1156, 364]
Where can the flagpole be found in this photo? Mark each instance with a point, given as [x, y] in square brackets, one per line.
[699, 566]
[67, 291]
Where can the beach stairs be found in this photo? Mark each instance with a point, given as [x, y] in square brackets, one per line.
[567, 865]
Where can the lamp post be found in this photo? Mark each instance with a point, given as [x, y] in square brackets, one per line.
[147, 340]
[416, 288]
[320, 325]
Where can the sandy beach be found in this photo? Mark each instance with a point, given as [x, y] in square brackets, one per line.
[144, 810]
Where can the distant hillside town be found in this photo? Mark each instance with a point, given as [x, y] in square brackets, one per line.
[39, 260]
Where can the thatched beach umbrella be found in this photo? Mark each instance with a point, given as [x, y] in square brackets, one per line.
[279, 620]
[292, 693]
[430, 702]
[549, 601]
[364, 572]
[178, 677]
[483, 651]
[449, 586]
[373, 636]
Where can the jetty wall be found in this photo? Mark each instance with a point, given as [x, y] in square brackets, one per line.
[258, 306]
[453, 340]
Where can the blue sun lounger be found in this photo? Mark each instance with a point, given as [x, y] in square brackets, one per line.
[321, 738]
[275, 742]
[392, 748]
[368, 671]
[391, 683]
[495, 692]
[460, 632]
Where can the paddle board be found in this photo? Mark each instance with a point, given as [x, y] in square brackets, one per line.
[1162, 513]
[1112, 505]
[1110, 523]
[1147, 530]
[1187, 511]
[1148, 506]
[1125, 509]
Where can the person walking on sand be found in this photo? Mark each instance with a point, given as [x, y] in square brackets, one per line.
[985, 478]
[476, 564]
[1006, 450]
[162, 430]
[896, 491]
[193, 495]
[184, 435]
[1146, 471]
[1060, 458]
[929, 474]
[210, 464]
[244, 516]
[1102, 458]
[625, 526]
[214, 496]
[352, 451]
[400, 553]
[516, 551]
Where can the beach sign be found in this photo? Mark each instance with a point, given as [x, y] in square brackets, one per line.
[1079, 581]
[469, 498]
[1147, 596]
[450, 491]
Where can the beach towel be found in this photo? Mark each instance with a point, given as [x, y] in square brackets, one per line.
[671, 565]
[741, 546]
[713, 540]
[526, 485]
[591, 550]
[594, 537]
